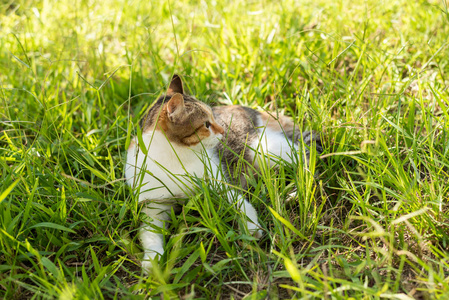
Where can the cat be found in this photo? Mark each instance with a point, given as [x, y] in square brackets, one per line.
[183, 137]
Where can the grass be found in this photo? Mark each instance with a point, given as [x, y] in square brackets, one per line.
[371, 76]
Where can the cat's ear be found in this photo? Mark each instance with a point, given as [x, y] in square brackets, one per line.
[176, 105]
[175, 86]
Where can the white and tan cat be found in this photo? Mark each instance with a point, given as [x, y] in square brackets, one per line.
[183, 137]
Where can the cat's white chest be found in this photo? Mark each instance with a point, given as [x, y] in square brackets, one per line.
[166, 171]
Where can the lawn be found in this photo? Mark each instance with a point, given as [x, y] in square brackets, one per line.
[368, 220]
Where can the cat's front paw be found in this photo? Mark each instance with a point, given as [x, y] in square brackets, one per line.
[148, 260]
[147, 267]
[254, 229]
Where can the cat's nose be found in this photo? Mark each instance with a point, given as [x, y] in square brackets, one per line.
[218, 129]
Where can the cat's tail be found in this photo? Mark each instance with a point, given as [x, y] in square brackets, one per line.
[306, 140]
[312, 139]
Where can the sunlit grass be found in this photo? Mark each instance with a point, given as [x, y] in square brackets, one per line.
[368, 220]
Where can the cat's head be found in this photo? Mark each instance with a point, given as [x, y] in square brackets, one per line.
[184, 120]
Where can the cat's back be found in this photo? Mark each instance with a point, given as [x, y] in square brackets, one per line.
[247, 131]
[237, 120]
[240, 129]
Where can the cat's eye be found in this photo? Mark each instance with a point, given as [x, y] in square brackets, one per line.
[207, 124]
